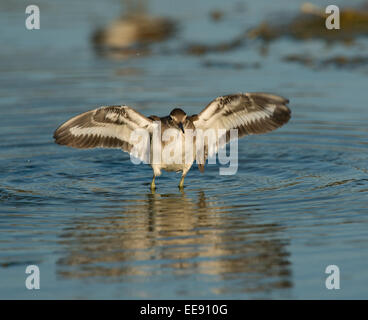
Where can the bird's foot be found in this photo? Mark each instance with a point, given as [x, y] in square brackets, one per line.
[153, 185]
[181, 184]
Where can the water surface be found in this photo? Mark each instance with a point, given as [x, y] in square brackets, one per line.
[297, 204]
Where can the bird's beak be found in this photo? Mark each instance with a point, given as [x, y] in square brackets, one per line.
[181, 126]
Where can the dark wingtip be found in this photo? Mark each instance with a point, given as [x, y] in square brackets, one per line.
[55, 136]
[282, 114]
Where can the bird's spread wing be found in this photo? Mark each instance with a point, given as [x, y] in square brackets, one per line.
[249, 113]
[104, 127]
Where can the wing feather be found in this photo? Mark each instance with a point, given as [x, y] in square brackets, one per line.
[253, 112]
[249, 113]
[104, 127]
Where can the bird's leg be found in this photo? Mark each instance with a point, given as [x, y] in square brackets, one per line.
[181, 183]
[153, 186]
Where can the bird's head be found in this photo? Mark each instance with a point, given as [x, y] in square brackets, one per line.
[178, 116]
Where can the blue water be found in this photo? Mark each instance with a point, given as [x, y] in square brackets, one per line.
[298, 203]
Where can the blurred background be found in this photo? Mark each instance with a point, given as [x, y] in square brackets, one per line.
[87, 217]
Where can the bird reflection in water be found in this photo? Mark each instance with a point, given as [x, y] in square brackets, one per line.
[173, 233]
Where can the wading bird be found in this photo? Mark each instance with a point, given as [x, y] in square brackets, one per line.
[112, 126]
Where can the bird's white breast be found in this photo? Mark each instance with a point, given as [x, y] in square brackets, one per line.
[173, 152]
